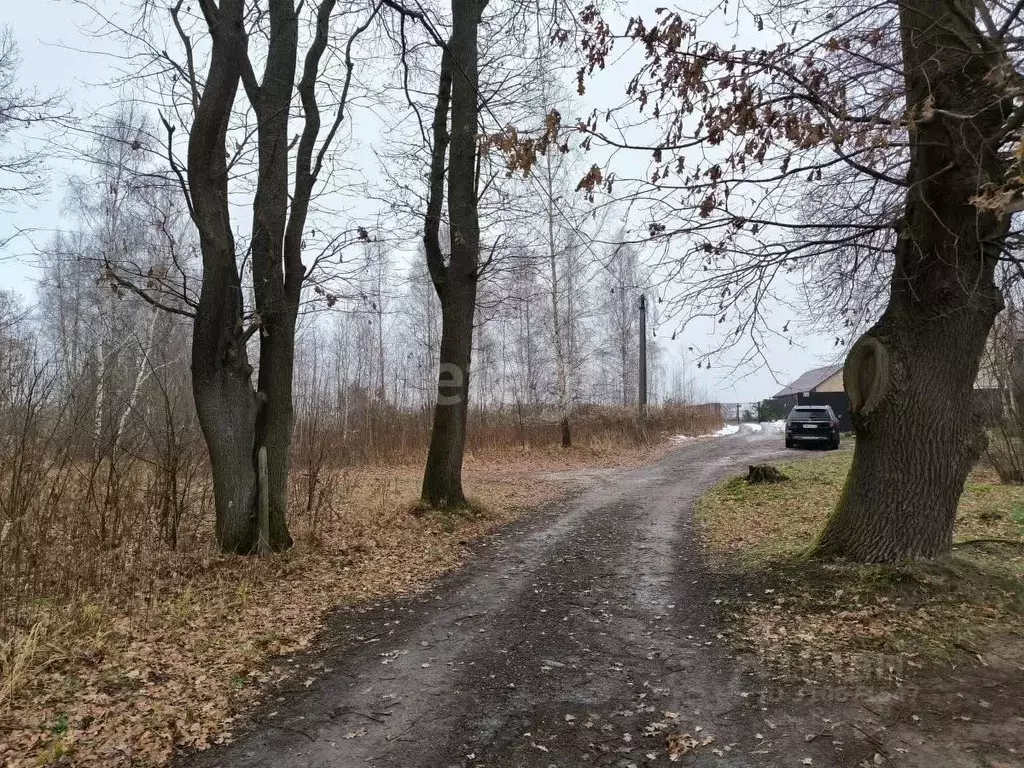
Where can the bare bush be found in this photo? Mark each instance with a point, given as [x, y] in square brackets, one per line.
[94, 485]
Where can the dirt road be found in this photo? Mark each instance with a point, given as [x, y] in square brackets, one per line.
[583, 636]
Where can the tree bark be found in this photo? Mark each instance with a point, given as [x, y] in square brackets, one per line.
[238, 421]
[442, 479]
[911, 377]
[221, 373]
[275, 288]
[456, 281]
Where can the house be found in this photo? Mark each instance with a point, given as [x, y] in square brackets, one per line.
[824, 386]
[818, 386]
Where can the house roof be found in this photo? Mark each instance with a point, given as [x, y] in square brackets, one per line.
[810, 380]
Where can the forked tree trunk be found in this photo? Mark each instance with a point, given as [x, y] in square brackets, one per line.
[221, 373]
[456, 281]
[276, 261]
[238, 421]
[911, 377]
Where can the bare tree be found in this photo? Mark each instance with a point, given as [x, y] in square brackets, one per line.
[455, 278]
[564, 240]
[21, 168]
[424, 333]
[239, 125]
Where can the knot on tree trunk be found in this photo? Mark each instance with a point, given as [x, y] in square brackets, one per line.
[764, 473]
[866, 375]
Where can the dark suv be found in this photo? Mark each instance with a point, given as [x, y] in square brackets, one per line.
[812, 425]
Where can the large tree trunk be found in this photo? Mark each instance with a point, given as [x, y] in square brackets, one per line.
[226, 406]
[456, 281]
[274, 425]
[276, 297]
[221, 374]
[910, 378]
[239, 422]
[442, 478]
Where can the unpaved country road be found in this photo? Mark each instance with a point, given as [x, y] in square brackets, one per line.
[567, 637]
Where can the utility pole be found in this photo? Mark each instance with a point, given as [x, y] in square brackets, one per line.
[643, 357]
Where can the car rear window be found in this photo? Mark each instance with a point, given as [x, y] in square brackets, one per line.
[811, 414]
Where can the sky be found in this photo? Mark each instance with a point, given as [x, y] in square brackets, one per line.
[60, 56]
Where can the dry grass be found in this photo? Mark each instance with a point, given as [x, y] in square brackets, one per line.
[386, 435]
[106, 680]
[808, 619]
[73, 522]
[116, 684]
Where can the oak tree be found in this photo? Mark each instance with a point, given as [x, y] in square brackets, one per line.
[915, 102]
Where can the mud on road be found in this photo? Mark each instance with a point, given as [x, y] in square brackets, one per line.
[584, 635]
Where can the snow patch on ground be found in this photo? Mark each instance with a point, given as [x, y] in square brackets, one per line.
[728, 429]
[770, 427]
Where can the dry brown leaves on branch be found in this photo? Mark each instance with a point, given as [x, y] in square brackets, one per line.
[522, 151]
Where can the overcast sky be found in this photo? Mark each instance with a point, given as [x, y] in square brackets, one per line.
[59, 56]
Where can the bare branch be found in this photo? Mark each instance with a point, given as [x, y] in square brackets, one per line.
[432, 219]
[112, 274]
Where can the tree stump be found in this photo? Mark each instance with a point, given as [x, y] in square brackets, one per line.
[764, 473]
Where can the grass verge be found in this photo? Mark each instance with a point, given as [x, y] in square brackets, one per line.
[807, 619]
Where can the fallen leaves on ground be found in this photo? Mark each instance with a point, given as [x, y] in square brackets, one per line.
[101, 684]
[818, 622]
